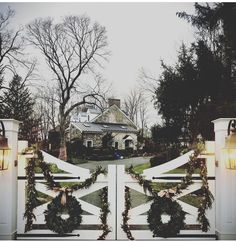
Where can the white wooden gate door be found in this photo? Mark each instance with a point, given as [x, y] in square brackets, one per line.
[138, 218]
[90, 226]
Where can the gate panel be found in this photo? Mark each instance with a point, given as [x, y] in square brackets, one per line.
[74, 174]
[137, 217]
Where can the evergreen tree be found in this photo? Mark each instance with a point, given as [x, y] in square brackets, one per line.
[18, 104]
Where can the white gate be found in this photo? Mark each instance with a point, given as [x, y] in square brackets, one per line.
[138, 218]
[116, 181]
[90, 226]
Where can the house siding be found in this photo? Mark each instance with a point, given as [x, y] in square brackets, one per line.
[118, 137]
[75, 133]
[96, 138]
[114, 115]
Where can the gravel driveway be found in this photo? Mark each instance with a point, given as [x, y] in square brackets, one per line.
[127, 162]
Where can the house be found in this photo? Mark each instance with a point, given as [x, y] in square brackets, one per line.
[112, 121]
[85, 114]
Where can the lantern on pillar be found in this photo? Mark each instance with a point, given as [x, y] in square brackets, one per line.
[229, 151]
[4, 149]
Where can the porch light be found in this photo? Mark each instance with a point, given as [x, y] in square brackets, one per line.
[4, 149]
[229, 151]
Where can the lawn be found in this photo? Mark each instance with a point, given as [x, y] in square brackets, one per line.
[53, 168]
[139, 169]
[77, 161]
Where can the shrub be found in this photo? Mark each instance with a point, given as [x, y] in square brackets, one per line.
[158, 159]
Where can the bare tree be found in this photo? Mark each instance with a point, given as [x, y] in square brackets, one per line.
[148, 83]
[47, 110]
[143, 115]
[12, 51]
[10, 44]
[71, 48]
[131, 104]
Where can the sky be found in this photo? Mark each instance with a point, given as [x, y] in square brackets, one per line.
[139, 36]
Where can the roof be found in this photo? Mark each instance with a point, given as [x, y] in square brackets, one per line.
[95, 111]
[114, 105]
[103, 127]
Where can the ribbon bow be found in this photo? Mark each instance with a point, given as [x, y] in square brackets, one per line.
[167, 193]
[64, 191]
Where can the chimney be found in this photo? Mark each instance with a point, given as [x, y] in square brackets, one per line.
[112, 101]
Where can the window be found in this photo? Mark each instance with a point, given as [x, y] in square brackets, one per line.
[89, 143]
[116, 145]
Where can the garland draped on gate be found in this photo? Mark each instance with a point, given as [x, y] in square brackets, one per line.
[206, 201]
[32, 201]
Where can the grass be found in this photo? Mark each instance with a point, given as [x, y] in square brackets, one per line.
[77, 161]
[163, 185]
[139, 169]
[191, 200]
[181, 170]
[53, 168]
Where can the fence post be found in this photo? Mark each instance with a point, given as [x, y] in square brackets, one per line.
[225, 186]
[120, 201]
[112, 197]
[8, 184]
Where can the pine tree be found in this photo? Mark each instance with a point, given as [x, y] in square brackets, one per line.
[18, 104]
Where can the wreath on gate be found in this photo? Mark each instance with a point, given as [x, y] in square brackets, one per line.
[165, 205]
[63, 205]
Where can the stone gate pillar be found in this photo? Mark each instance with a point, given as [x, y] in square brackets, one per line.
[8, 184]
[225, 186]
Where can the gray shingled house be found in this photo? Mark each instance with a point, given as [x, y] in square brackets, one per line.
[113, 121]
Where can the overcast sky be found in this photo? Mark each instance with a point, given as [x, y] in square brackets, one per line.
[139, 34]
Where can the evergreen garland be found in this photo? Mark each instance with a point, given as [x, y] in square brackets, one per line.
[207, 199]
[89, 181]
[146, 184]
[31, 201]
[104, 212]
[125, 226]
[55, 207]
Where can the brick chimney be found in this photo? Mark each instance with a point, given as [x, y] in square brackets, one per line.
[112, 101]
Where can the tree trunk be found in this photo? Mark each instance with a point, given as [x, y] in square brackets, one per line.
[62, 151]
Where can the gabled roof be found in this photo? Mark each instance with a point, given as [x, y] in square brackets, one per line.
[119, 110]
[88, 127]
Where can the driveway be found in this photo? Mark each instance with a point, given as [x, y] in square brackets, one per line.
[127, 162]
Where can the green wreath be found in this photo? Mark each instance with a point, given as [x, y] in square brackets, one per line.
[55, 209]
[164, 205]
